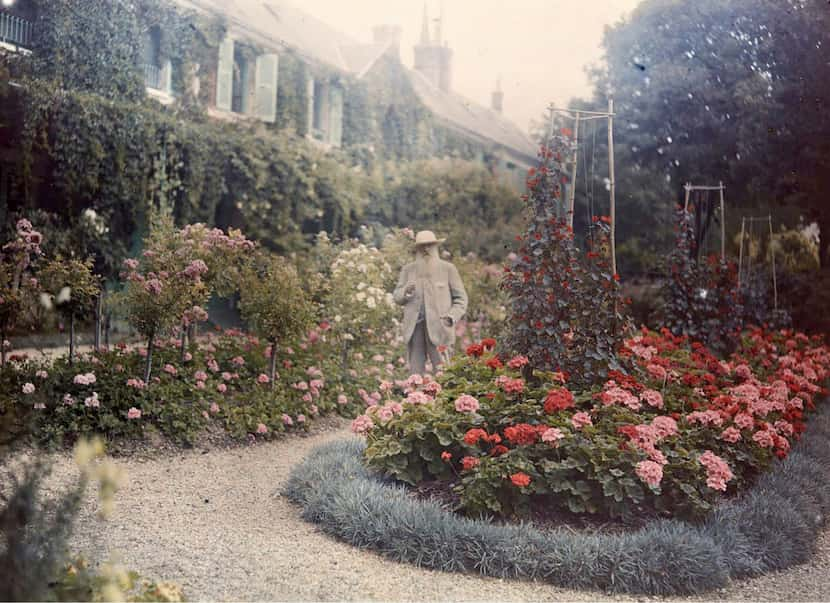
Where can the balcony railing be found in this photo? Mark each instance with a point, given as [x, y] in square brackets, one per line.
[152, 77]
[15, 30]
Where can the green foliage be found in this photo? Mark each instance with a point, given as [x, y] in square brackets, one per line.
[454, 197]
[80, 49]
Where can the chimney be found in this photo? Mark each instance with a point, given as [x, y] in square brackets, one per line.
[497, 99]
[433, 57]
[391, 35]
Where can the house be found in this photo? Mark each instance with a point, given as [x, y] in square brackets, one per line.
[250, 87]
[274, 63]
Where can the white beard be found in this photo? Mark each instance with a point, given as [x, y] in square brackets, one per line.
[426, 264]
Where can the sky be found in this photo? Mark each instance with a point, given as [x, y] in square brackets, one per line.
[539, 48]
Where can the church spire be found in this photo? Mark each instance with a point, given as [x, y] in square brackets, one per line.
[425, 28]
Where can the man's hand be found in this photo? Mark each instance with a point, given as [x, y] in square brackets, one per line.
[448, 321]
[409, 291]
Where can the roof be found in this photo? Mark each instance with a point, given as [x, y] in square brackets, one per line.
[279, 23]
[472, 118]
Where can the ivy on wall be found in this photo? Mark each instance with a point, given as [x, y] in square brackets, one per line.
[89, 138]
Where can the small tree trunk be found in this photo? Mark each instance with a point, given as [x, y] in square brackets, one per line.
[148, 364]
[273, 367]
[107, 331]
[99, 310]
[3, 347]
[344, 357]
[71, 339]
[184, 343]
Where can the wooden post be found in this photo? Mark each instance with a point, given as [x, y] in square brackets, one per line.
[613, 184]
[774, 278]
[572, 190]
[741, 253]
[722, 225]
[688, 189]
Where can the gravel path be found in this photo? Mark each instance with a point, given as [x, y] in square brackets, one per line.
[213, 522]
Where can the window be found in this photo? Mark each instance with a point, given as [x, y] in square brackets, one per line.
[240, 102]
[327, 113]
[157, 72]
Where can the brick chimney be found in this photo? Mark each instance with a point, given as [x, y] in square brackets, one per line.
[391, 35]
[433, 58]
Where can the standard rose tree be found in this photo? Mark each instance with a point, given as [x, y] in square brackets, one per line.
[17, 285]
[71, 288]
[273, 303]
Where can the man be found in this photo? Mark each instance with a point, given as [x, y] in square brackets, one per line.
[434, 300]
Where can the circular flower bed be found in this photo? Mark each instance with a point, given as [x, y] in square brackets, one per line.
[771, 526]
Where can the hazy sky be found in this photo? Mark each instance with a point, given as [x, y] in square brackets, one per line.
[540, 48]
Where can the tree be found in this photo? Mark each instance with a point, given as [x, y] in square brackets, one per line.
[717, 90]
[273, 303]
[71, 287]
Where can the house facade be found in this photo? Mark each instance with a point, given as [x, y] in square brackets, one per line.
[269, 65]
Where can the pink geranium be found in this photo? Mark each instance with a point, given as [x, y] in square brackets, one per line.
[717, 470]
[133, 413]
[466, 403]
[650, 472]
[652, 398]
[731, 435]
[552, 436]
[580, 420]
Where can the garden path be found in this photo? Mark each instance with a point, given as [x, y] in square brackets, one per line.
[212, 521]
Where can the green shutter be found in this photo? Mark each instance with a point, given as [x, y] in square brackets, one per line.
[224, 75]
[167, 77]
[336, 115]
[266, 87]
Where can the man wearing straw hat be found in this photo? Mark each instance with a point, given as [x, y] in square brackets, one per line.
[434, 300]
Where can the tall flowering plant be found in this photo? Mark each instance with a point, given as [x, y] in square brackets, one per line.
[358, 306]
[160, 288]
[17, 284]
[565, 302]
[701, 299]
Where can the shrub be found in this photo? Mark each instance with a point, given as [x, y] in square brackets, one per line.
[673, 437]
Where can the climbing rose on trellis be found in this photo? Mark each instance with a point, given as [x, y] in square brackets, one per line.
[566, 303]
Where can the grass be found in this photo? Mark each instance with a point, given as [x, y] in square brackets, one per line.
[771, 527]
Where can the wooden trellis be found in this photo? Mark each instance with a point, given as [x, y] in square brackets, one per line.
[689, 188]
[579, 116]
[752, 220]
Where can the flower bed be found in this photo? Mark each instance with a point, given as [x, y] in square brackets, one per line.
[680, 431]
[221, 382]
[770, 527]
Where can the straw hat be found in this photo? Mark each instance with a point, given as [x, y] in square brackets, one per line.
[427, 237]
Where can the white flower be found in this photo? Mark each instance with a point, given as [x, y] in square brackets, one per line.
[46, 301]
[338, 318]
[64, 295]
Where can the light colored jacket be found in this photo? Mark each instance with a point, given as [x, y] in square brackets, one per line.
[443, 294]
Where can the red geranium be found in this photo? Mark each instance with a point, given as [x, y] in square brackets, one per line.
[498, 450]
[558, 399]
[446, 456]
[520, 479]
[521, 434]
[475, 350]
[469, 462]
[474, 435]
[494, 363]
